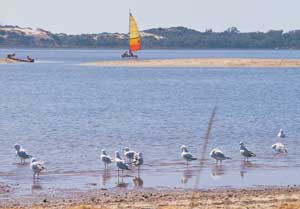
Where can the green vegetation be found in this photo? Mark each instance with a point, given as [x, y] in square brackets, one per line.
[167, 38]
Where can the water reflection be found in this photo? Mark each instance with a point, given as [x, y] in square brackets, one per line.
[121, 183]
[186, 175]
[36, 185]
[22, 165]
[138, 181]
[106, 177]
[217, 171]
[245, 166]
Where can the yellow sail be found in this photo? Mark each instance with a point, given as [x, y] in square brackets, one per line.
[134, 35]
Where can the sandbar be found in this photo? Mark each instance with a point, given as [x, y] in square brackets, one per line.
[201, 62]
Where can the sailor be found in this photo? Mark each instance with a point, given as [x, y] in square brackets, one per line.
[125, 53]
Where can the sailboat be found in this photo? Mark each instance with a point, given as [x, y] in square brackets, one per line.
[134, 39]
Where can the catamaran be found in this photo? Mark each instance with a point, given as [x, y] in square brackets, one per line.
[134, 39]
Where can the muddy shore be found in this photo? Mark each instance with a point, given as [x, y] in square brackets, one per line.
[288, 197]
[200, 62]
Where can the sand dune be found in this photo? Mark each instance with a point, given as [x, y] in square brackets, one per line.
[199, 62]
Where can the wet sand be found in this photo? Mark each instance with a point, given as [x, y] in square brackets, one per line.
[288, 197]
[199, 62]
[5, 61]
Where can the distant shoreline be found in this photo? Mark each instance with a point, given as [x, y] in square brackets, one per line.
[201, 62]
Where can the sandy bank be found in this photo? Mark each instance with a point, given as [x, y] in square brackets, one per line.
[199, 62]
[5, 61]
[157, 199]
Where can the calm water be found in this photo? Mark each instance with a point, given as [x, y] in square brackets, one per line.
[64, 114]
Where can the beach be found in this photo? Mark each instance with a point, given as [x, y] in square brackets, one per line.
[5, 61]
[200, 62]
[267, 198]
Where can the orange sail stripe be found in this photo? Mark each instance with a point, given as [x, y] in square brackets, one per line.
[134, 44]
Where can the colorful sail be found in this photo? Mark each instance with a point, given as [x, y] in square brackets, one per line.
[134, 35]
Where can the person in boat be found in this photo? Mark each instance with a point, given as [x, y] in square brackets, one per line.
[130, 53]
[9, 56]
[30, 59]
[125, 54]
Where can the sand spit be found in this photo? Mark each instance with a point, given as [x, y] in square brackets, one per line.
[200, 62]
[174, 199]
[5, 61]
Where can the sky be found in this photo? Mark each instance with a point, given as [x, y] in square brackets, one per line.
[95, 16]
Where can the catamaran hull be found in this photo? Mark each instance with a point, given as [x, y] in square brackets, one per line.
[21, 60]
[128, 56]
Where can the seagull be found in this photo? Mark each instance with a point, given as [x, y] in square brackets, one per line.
[106, 159]
[129, 154]
[186, 155]
[245, 152]
[120, 163]
[281, 134]
[279, 147]
[138, 160]
[22, 153]
[36, 167]
[218, 155]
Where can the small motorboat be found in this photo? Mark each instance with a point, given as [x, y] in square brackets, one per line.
[12, 57]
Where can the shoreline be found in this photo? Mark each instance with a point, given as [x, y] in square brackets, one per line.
[200, 62]
[5, 61]
[260, 197]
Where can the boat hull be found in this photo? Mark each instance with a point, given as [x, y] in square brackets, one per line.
[129, 56]
[21, 60]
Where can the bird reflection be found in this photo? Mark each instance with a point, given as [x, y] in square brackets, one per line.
[138, 182]
[186, 175]
[217, 171]
[121, 183]
[36, 186]
[245, 165]
[22, 165]
[106, 176]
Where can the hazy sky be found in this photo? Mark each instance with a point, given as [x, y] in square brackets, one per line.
[94, 16]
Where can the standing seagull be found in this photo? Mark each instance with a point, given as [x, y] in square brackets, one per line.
[22, 154]
[120, 163]
[129, 154]
[281, 134]
[186, 155]
[218, 155]
[106, 159]
[36, 167]
[138, 160]
[279, 148]
[245, 152]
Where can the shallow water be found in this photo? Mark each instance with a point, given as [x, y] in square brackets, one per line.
[64, 114]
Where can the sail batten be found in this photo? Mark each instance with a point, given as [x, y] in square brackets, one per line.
[134, 35]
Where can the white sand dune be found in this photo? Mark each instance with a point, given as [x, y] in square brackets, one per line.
[200, 62]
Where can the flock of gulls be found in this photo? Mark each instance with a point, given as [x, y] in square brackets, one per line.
[135, 159]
